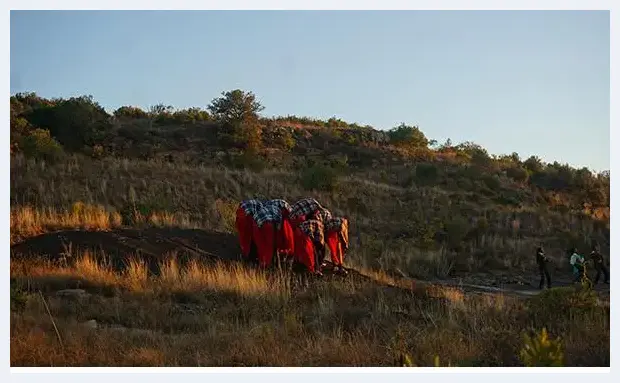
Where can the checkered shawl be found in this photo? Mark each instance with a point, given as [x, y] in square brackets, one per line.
[340, 225]
[313, 229]
[308, 206]
[304, 207]
[280, 204]
[251, 206]
[267, 213]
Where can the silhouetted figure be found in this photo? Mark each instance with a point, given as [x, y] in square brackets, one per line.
[542, 261]
[599, 265]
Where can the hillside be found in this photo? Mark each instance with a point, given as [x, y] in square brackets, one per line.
[416, 207]
[124, 253]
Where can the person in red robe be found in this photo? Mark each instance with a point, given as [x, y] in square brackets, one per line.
[273, 232]
[337, 240]
[245, 223]
[309, 242]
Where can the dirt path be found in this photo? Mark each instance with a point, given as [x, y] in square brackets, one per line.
[157, 244]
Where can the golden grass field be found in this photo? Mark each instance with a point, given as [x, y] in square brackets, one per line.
[223, 313]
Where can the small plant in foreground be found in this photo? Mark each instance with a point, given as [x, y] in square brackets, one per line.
[541, 351]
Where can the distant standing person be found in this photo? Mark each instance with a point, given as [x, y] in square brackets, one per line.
[542, 260]
[599, 264]
[577, 262]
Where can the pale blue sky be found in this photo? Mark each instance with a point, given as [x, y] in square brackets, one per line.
[534, 82]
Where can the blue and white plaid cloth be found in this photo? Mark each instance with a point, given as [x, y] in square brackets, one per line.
[271, 211]
[251, 206]
[280, 204]
[308, 206]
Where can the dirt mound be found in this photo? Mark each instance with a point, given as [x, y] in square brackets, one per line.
[152, 244]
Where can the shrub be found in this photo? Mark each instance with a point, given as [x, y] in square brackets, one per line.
[135, 213]
[285, 139]
[517, 173]
[130, 112]
[456, 230]
[18, 299]
[552, 305]
[426, 173]
[319, 177]
[540, 351]
[226, 211]
[40, 145]
[407, 136]
[247, 160]
[75, 122]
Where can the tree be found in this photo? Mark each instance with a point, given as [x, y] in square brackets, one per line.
[75, 122]
[238, 112]
[130, 112]
[409, 136]
[533, 164]
[40, 145]
[235, 106]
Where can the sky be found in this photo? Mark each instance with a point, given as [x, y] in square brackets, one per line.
[531, 82]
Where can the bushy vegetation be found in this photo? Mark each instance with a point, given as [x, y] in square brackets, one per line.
[417, 209]
[453, 199]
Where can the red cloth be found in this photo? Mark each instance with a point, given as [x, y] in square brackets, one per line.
[265, 239]
[285, 238]
[297, 220]
[304, 249]
[335, 247]
[245, 227]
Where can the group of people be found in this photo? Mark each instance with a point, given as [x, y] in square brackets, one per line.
[301, 232]
[577, 262]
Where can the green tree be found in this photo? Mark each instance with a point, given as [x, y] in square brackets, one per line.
[238, 112]
[75, 123]
[130, 112]
[40, 145]
[408, 136]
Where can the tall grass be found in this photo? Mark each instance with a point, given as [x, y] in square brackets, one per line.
[230, 315]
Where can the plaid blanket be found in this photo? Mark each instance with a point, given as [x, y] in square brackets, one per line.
[268, 213]
[304, 207]
[251, 206]
[280, 204]
[309, 206]
[313, 229]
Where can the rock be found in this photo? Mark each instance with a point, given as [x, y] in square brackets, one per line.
[71, 293]
[90, 324]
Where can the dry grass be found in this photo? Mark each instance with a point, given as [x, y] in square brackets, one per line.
[27, 221]
[194, 277]
[230, 315]
[386, 218]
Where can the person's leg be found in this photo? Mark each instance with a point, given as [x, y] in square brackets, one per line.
[598, 275]
[576, 274]
[304, 250]
[605, 273]
[548, 276]
[244, 225]
[542, 278]
[286, 241]
[253, 255]
[264, 237]
[332, 243]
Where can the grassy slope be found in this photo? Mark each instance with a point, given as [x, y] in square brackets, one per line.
[227, 315]
[233, 316]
